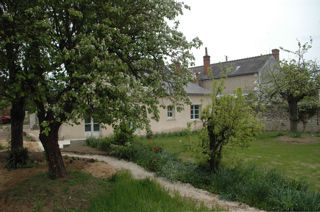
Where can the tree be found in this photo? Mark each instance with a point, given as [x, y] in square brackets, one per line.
[16, 26]
[297, 79]
[228, 119]
[307, 108]
[111, 60]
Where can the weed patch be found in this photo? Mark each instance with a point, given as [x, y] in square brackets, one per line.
[127, 194]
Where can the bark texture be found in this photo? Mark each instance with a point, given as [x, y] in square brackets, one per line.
[293, 115]
[215, 149]
[17, 114]
[54, 158]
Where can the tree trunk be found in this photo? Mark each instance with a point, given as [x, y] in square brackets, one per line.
[215, 153]
[293, 115]
[52, 150]
[17, 114]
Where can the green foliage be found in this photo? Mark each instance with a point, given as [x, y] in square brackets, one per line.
[264, 189]
[228, 119]
[296, 81]
[249, 184]
[149, 133]
[111, 60]
[174, 134]
[100, 143]
[146, 195]
[18, 159]
[124, 133]
[307, 108]
[83, 192]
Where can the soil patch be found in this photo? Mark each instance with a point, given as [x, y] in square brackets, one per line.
[100, 170]
[300, 140]
[9, 179]
[82, 149]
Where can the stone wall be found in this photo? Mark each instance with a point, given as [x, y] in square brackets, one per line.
[278, 119]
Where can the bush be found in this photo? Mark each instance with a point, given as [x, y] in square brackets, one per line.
[100, 143]
[93, 142]
[17, 159]
[149, 133]
[264, 189]
[123, 151]
[123, 134]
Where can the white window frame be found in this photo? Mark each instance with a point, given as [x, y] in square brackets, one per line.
[92, 125]
[170, 112]
[195, 110]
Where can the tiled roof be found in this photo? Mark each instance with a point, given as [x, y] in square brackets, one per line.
[193, 88]
[235, 67]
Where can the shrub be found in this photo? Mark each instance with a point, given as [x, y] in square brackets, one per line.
[100, 143]
[264, 189]
[92, 142]
[123, 133]
[17, 159]
[149, 133]
[123, 151]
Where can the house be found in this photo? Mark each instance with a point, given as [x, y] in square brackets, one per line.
[242, 73]
[245, 73]
[170, 119]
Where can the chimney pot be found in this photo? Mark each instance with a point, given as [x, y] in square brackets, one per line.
[206, 62]
[276, 55]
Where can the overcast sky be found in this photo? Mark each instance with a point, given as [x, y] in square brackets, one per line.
[246, 28]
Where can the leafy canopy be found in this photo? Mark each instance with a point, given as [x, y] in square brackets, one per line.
[110, 59]
[228, 119]
[296, 78]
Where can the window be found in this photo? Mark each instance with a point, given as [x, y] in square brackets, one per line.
[170, 112]
[90, 125]
[87, 124]
[195, 111]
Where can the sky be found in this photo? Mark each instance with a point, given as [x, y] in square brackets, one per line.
[246, 28]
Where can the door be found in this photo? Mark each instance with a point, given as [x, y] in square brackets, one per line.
[91, 128]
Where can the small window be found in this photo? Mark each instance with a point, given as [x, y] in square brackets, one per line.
[90, 125]
[96, 127]
[170, 112]
[87, 124]
[195, 112]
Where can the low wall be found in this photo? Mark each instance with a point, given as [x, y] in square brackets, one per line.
[278, 120]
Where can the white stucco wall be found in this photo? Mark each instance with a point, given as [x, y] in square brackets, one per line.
[245, 82]
[179, 122]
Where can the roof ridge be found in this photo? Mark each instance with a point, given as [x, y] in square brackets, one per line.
[235, 60]
[243, 59]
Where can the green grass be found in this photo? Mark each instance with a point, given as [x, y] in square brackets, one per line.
[184, 147]
[83, 192]
[295, 160]
[140, 195]
[259, 187]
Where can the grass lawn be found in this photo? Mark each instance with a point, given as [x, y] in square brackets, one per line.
[294, 157]
[83, 192]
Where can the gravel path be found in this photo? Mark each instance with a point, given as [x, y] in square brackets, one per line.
[184, 189]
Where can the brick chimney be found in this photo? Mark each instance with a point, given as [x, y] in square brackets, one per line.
[206, 62]
[275, 53]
